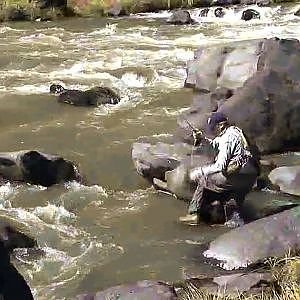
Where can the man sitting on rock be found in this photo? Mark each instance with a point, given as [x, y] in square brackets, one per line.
[234, 171]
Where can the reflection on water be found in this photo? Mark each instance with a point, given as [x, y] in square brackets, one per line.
[116, 229]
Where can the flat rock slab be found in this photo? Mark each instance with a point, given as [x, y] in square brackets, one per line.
[142, 290]
[287, 178]
[272, 236]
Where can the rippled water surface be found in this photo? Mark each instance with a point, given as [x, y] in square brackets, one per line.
[117, 228]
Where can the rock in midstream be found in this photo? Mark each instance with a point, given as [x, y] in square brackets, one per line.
[36, 168]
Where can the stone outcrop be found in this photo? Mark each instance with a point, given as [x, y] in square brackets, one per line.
[250, 14]
[272, 236]
[263, 77]
[180, 17]
[287, 179]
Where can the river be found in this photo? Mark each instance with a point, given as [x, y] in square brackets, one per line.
[116, 228]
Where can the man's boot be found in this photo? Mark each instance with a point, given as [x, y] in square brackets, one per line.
[190, 219]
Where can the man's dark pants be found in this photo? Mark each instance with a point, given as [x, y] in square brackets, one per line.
[239, 184]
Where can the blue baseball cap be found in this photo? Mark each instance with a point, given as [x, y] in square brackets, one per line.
[214, 119]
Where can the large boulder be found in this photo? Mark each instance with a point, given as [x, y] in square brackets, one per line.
[36, 168]
[287, 179]
[154, 160]
[180, 17]
[231, 65]
[272, 236]
[270, 95]
[142, 290]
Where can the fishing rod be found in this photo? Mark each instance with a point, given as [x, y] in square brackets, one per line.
[195, 132]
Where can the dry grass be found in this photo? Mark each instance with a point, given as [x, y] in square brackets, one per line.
[285, 286]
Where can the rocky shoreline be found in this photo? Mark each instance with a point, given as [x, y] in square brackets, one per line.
[256, 84]
[46, 10]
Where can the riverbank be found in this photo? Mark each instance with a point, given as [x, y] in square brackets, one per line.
[44, 10]
[285, 274]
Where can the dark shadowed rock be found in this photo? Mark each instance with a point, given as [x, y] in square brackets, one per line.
[16, 14]
[52, 3]
[250, 14]
[219, 12]
[142, 290]
[36, 168]
[297, 13]
[233, 285]
[287, 178]
[92, 97]
[180, 17]
[12, 284]
[272, 236]
[261, 204]
[204, 12]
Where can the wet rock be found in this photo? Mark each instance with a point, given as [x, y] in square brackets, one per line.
[272, 236]
[142, 290]
[250, 14]
[219, 12]
[92, 97]
[287, 178]
[233, 285]
[36, 168]
[297, 13]
[204, 12]
[180, 17]
[270, 96]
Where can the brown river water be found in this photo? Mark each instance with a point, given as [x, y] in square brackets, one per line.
[116, 228]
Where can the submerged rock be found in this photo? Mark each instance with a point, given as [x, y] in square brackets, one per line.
[180, 17]
[297, 13]
[272, 236]
[36, 168]
[142, 290]
[92, 97]
[287, 178]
